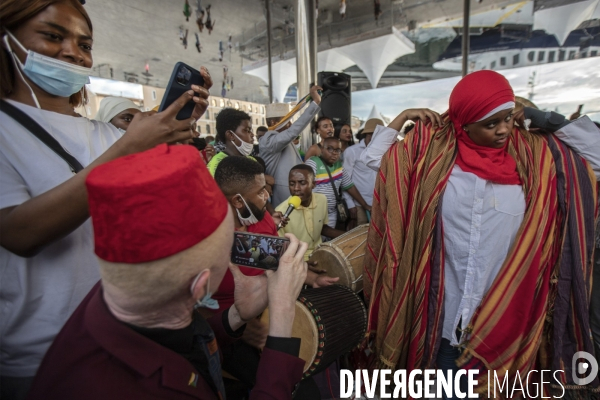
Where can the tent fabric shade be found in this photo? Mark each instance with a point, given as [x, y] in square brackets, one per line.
[372, 56]
[560, 21]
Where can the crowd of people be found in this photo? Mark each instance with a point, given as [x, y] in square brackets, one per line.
[116, 233]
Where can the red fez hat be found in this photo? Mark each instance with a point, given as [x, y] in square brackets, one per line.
[153, 204]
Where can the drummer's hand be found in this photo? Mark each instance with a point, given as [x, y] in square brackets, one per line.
[284, 287]
[313, 266]
[256, 333]
[250, 295]
[324, 280]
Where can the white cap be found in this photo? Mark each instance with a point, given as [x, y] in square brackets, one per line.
[111, 106]
[277, 110]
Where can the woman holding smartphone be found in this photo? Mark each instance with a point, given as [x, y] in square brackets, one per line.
[47, 262]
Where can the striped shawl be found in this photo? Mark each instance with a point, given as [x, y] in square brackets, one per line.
[535, 313]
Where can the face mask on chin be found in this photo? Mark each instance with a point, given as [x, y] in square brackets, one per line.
[245, 148]
[56, 77]
[255, 215]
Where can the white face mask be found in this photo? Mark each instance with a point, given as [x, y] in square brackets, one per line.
[122, 131]
[245, 149]
[54, 76]
[251, 220]
[298, 145]
[207, 301]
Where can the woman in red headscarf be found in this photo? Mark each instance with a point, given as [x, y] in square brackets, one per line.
[479, 252]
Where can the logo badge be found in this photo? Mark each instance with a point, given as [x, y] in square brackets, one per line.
[579, 368]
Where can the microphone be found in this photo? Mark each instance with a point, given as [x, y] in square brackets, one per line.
[292, 205]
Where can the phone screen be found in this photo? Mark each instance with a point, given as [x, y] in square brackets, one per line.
[258, 251]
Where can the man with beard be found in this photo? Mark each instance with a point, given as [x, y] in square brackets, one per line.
[242, 181]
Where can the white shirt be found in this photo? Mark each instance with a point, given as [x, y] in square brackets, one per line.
[481, 220]
[39, 294]
[362, 176]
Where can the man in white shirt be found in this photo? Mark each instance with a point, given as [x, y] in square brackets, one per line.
[363, 177]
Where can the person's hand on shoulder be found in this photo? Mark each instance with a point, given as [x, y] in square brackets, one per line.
[414, 114]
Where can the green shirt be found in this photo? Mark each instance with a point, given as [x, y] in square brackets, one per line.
[214, 162]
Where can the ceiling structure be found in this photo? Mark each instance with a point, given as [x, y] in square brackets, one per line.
[138, 40]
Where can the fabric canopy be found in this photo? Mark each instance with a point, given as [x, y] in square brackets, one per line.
[284, 75]
[373, 56]
[560, 21]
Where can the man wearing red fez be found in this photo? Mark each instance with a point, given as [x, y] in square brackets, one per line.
[479, 252]
[136, 335]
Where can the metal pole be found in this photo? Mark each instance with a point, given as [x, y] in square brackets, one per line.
[465, 38]
[268, 7]
[305, 55]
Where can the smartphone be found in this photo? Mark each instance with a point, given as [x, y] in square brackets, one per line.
[258, 251]
[182, 79]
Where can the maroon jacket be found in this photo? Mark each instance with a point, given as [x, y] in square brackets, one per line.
[95, 356]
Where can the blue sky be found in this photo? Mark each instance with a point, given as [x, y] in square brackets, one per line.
[559, 87]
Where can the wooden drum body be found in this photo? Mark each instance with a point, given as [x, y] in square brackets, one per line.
[330, 321]
[343, 257]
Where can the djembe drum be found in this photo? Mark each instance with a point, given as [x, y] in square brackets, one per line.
[330, 321]
[343, 257]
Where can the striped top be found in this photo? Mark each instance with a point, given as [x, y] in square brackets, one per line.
[322, 185]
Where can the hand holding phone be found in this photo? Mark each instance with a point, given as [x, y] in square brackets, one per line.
[183, 78]
[149, 129]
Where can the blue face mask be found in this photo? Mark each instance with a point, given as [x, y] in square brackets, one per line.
[56, 77]
[207, 301]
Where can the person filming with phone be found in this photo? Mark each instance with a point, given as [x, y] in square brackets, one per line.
[45, 234]
[242, 182]
[137, 334]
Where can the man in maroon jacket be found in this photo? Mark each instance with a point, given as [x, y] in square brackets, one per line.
[162, 229]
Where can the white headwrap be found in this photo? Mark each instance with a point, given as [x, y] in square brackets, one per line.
[111, 106]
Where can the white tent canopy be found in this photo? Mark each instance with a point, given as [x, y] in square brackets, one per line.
[374, 114]
[373, 56]
[284, 71]
[333, 60]
[559, 21]
[284, 75]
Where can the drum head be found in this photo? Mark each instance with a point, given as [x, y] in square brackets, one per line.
[305, 328]
[331, 259]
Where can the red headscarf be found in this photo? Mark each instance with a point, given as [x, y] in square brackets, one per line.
[472, 99]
